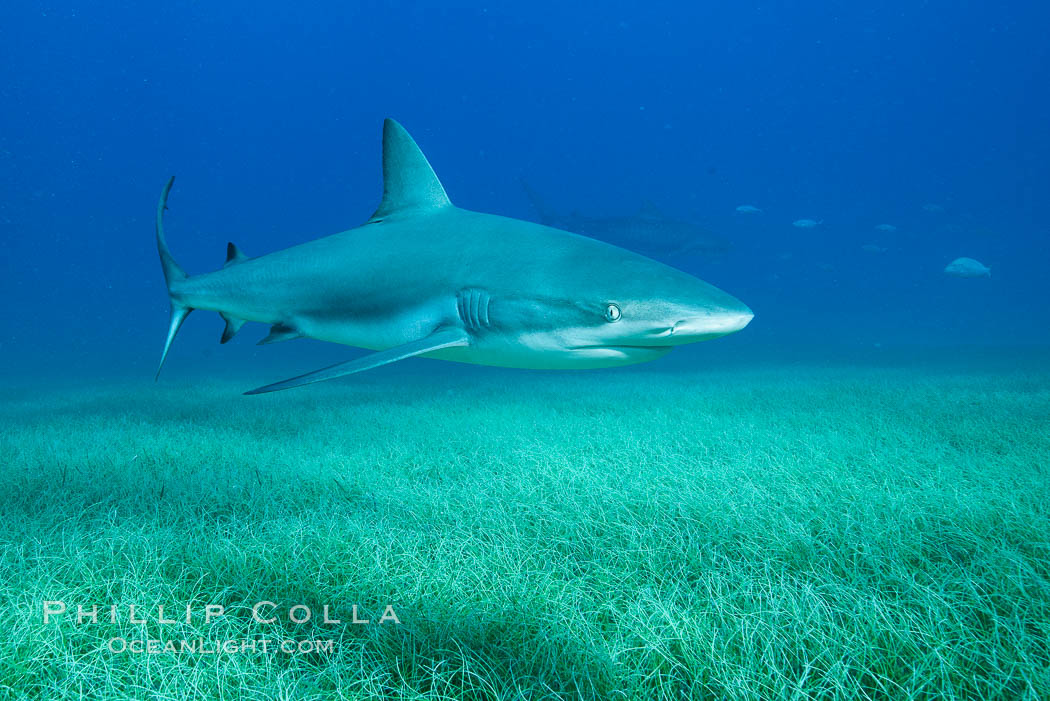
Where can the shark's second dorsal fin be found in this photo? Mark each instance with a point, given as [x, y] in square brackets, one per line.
[233, 255]
[409, 183]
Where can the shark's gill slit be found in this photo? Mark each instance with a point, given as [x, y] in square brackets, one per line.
[472, 306]
[485, 308]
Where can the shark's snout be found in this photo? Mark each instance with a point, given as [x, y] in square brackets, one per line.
[704, 326]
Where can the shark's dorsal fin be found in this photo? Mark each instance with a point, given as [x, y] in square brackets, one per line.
[409, 183]
[233, 255]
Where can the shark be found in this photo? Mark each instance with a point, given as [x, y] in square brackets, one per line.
[424, 278]
[648, 231]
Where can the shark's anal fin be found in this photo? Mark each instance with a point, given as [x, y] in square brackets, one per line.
[444, 338]
[279, 332]
[233, 325]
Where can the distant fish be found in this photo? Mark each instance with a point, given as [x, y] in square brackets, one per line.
[888, 228]
[806, 223]
[967, 267]
[932, 208]
[648, 232]
[872, 248]
[748, 209]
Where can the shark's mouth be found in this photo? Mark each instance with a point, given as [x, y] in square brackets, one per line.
[621, 352]
[620, 347]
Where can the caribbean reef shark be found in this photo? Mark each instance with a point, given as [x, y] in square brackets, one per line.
[423, 277]
[648, 231]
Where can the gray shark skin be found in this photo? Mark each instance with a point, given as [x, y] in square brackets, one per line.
[648, 232]
[425, 278]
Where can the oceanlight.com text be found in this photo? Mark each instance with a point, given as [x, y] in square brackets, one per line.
[201, 646]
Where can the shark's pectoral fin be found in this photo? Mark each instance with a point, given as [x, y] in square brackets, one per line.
[445, 338]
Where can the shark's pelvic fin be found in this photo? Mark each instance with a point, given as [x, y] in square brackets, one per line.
[409, 183]
[279, 332]
[173, 274]
[233, 325]
[233, 255]
[446, 338]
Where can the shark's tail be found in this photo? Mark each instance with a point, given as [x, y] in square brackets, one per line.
[537, 203]
[172, 275]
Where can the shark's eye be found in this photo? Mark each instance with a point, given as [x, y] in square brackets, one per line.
[612, 313]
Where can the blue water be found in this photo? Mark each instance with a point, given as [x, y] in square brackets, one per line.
[270, 114]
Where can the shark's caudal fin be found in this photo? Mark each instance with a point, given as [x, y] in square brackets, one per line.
[445, 338]
[172, 274]
[409, 183]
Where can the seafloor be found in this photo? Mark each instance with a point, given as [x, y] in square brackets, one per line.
[771, 530]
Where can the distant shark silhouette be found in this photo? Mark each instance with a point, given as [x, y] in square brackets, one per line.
[648, 232]
[424, 278]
